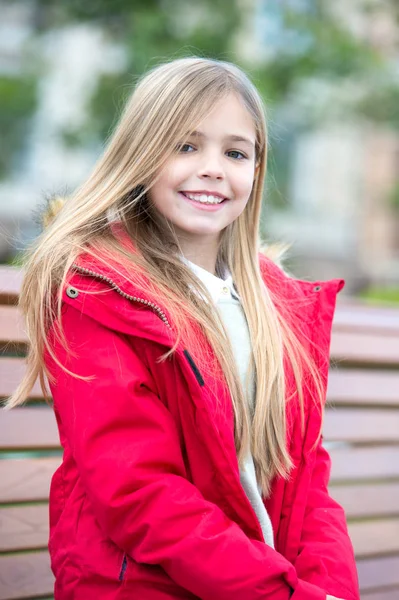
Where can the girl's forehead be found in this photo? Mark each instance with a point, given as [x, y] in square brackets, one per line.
[230, 117]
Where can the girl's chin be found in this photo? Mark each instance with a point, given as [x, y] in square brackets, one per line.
[191, 231]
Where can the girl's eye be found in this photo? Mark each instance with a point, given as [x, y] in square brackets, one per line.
[185, 148]
[236, 154]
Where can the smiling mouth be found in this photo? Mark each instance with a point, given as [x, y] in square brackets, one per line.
[204, 198]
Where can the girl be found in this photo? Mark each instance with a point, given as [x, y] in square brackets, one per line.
[188, 372]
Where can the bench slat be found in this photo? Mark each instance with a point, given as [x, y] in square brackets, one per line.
[24, 527]
[11, 325]
[365, 348]
[352, 314]
[355, 386]
[350, 345]
[367, 500]
[25, 575]
[371, 538]
[11, 372]
[377, 573]
[345, 386]
[352, 464]
[26, 479]
[361, 425]
[390, 594]
[28, 427]
[10, 284]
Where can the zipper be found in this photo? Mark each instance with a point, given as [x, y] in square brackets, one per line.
[158, 311]
[123, 568]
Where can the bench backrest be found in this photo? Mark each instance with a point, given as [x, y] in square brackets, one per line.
[361, 432]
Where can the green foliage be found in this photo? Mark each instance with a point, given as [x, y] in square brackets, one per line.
[388, 295]
[107, 102]
[105, 107]
[382, 105]
[17, 104]
[150, 36]
[109, 12]
[394, 196]
[325, 49]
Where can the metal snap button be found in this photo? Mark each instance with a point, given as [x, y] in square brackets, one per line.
[72, 292]
[317, 288]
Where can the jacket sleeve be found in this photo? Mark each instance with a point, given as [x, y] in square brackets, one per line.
[126, 447]
[326, 556]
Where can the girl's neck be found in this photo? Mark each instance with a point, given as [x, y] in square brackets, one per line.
[202, 255]
[208, 265]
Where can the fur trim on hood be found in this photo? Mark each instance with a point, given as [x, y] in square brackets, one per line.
[52, 209]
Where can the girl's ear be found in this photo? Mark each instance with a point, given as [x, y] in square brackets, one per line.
[257, 166]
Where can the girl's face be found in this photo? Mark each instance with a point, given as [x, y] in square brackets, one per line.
[206, 185]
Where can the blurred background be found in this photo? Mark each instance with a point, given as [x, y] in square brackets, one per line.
[328, 71]
[329, 76]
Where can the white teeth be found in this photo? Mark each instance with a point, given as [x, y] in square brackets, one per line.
[204, 199]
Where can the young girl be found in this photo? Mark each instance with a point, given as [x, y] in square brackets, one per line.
[188, 371]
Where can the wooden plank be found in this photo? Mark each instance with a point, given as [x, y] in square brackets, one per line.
[377, 573]
[24, 527]
[28, 427]
[12, 327]
[352, 314]
[27, 526]
[10, 284]
[364, 347]
[352, 386]
[370, 500]
[26, 479]
[25, 575]
[371, 538]
[361, 425]
[12, 371]
[387, 594]
[353, 464]
[358, 386]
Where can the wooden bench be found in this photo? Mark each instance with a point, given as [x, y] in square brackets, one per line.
[361, 432]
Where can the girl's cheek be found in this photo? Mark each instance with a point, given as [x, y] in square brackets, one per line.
[182, 167]
[246, 180]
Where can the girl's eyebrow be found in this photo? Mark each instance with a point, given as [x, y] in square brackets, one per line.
[232, 137]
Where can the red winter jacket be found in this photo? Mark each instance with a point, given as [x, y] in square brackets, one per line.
[147, 503]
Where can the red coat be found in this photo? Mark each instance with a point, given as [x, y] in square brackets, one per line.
[148, 504]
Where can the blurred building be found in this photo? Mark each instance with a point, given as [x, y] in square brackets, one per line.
[338, 215]
[70, 59]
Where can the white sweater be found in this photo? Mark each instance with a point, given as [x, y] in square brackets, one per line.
[228, 304]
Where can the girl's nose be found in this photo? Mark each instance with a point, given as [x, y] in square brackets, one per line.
[211, 168]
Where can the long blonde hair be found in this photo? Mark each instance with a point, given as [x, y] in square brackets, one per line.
[167, 104]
